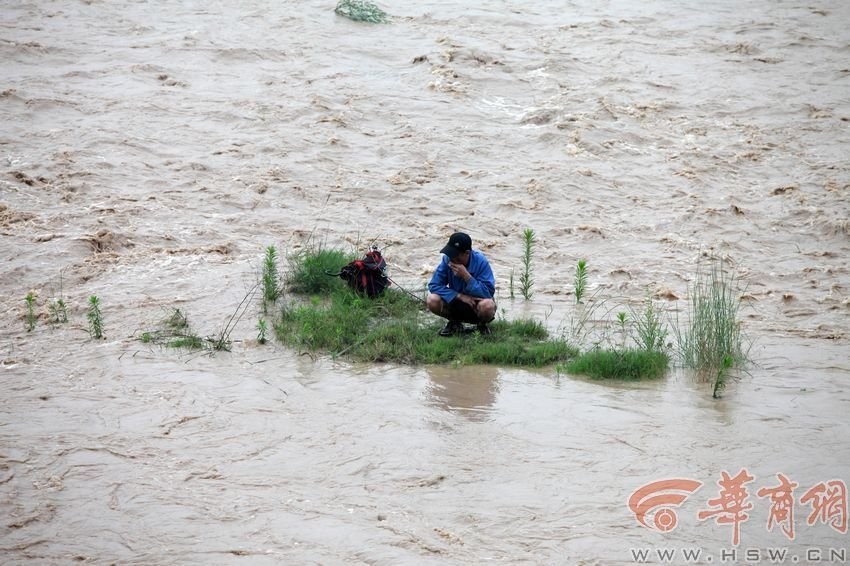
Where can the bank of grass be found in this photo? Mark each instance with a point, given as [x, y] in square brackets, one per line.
[393, 328]
[627, 365]
[326, 316]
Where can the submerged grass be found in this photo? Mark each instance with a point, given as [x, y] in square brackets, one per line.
[361, 11]
[619, 364]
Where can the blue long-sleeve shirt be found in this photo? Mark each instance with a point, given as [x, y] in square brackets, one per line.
[482, 283]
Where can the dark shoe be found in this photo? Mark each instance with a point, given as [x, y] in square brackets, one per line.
[484, 330]
[452, 328]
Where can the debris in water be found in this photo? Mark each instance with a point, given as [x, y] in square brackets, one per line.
[361, 11]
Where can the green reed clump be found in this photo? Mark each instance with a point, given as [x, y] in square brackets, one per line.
[30, 314]
[580, 280]
[95, 318]
[309, 269]
[650, 332]
[361, 11]
[270, 279]
[712, 338]
[526, 277]
[619, 364]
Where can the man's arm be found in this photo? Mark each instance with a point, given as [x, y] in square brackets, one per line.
[439, 284]
[482, 282]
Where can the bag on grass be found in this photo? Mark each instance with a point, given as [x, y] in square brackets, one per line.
[367, 275]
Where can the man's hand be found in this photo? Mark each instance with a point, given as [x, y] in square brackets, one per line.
[471, 301]
[460, 271]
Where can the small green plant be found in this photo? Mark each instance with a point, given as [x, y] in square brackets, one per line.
[262, 328]
[56, 308]
[58, 311]
[270, 278]
[712, 340]
[650, 332]
[95, 317]
[361, 11]
[622, 320]
[526, 277]
[580, 282]
[511, 285]
[30, 316]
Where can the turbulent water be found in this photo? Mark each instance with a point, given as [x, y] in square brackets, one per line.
[151, 150]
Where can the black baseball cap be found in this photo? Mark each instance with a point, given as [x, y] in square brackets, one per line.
[458, 242]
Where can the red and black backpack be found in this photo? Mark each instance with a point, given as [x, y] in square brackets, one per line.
[367, 275]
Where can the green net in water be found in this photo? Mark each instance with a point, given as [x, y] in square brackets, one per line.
[361, 11]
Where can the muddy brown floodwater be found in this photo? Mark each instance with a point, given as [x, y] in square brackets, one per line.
[149, 151]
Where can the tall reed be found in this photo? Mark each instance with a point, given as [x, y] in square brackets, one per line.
[30, 316]
[526, 277]
[712, 339]
[95, 317]
[270, 278]
[580, 281]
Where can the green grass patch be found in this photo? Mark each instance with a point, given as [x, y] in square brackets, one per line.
[619, 364]
[393, 327]
[308, 271]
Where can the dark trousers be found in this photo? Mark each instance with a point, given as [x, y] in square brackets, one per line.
[461, 312]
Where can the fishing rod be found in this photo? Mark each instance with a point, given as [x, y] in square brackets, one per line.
[420, 299]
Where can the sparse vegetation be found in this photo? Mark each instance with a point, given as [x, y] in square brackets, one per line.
[95, 318]
[56, 308]
[325, 315]
[58, 311]
[30, 314]
[526, 277]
